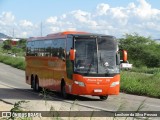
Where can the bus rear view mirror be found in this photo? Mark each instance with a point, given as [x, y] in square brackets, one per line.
[124, 52]
[72, 54]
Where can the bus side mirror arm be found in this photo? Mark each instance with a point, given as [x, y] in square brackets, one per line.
[117, 58]
[72, 54]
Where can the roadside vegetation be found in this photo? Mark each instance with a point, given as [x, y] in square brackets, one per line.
[12, 53]
[140, 83]
[144, 77]
[17, 62]
[145, 70]
[143, 53]
[16, 48]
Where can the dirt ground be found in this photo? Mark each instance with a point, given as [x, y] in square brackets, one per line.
[5, 107]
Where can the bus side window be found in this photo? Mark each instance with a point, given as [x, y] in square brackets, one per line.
[61, 47]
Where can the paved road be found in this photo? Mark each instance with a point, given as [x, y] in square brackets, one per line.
[16, 78]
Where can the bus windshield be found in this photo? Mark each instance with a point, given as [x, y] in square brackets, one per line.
[96, 55]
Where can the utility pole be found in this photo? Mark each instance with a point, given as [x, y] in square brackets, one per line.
[41, 28]
[13, 33]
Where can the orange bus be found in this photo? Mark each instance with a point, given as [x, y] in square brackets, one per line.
[72, 62]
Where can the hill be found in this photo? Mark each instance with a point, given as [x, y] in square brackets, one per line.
[3, 36]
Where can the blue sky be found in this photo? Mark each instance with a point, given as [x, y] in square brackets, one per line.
[36, 10]
[115, 17]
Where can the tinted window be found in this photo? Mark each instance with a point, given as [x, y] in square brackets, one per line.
[55, 48]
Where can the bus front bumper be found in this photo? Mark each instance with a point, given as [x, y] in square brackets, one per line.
[95, 90]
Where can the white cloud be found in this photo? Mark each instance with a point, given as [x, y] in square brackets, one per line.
[102, 8]
[145, 11]
[82, 19]
[118, 13]
[54, 29]
[25, 23]
[131, 5]
[52, 20]
[24, 34]
[63, 16]
[6, 18]
[81, 16]
[151, 25]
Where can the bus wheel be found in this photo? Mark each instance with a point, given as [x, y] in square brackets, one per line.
[32, 81]
[63, 91]
[37, 88]
[103, 97]
[34, 85]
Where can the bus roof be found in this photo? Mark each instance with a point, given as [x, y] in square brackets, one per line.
[62, 35]
[67, 33]
[57, 35]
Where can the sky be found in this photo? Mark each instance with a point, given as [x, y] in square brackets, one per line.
[28, 18]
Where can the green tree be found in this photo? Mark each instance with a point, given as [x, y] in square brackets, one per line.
[22, 44]
[7, 45]
[7, 42]
[16, 50]
[142, 51]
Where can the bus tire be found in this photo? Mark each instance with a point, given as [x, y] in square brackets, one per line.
[32, 81]
[37, 88]
[103, 97]
[63, 91]
[34, 85]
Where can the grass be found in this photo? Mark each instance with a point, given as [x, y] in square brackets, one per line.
[17, 108]
[145, 70]
[140, 83]
[16, 62]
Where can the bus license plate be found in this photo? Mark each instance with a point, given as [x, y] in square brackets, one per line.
[97, 90]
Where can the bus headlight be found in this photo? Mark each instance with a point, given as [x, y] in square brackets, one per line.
[114, 84]
[79, 83]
